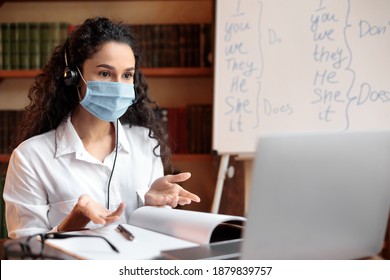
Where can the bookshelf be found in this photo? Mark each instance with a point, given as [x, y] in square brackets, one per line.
[169, 86]
[31, 11]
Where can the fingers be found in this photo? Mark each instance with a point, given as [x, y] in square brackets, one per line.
[184, 201]
[167, 191]
[119, 210]
[97, 213]
[186, 195]
[178, 195]
[174, 199]
[85, 204]
[158, 199]
[96, 219]
[115, 216]
[110, 219]
[181, 177]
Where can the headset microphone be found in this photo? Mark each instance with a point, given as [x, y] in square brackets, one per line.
[71, 77]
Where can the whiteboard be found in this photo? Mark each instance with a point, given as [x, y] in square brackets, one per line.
[302, 65]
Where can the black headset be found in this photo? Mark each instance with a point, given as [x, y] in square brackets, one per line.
[71, 77]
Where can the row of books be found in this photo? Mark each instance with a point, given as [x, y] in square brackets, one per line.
[175, 45]
[27, 45]
[189, 128]
[9, 120]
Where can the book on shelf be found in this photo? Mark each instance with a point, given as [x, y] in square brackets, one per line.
[175, 45]
[6, 45]
[52, 34]
[188, 128]
[206, 41]
[9, 120]
[155, 229]
[27, 45]
[156, 45]
[173, 129]
[35, 45]
[14, 51]
[199, 128]
[45, 42]
[182, 134]
[24, 45]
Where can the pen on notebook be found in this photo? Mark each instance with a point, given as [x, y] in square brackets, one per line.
[125, 232]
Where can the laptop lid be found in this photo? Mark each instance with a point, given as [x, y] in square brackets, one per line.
[319, 196]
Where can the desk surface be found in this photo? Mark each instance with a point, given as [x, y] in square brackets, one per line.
[385, 254]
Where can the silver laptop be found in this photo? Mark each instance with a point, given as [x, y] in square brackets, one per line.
[319, 196]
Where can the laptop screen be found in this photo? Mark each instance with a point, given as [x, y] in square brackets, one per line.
[319, 196]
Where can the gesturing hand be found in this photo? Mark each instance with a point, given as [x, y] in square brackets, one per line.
[86, 210]
[97, 213]
[165, 191]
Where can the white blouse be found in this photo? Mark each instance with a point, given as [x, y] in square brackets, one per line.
[47, 174]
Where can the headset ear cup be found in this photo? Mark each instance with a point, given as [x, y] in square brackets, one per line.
[71, 77]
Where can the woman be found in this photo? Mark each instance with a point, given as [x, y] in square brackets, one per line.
[76, 166]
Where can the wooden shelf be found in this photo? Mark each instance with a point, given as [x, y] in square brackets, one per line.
[149, 72]
[18, 73]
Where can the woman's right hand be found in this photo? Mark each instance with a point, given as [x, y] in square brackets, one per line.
[87, 210]
[97, 213]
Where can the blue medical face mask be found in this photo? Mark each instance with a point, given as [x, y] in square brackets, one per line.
[108, 101]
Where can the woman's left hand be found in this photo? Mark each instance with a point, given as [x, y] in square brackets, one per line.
[165, 191]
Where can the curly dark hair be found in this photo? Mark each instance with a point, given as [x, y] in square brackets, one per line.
[51, 100]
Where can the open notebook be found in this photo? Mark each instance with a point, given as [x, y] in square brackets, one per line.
[155, 229]
[319, 196]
